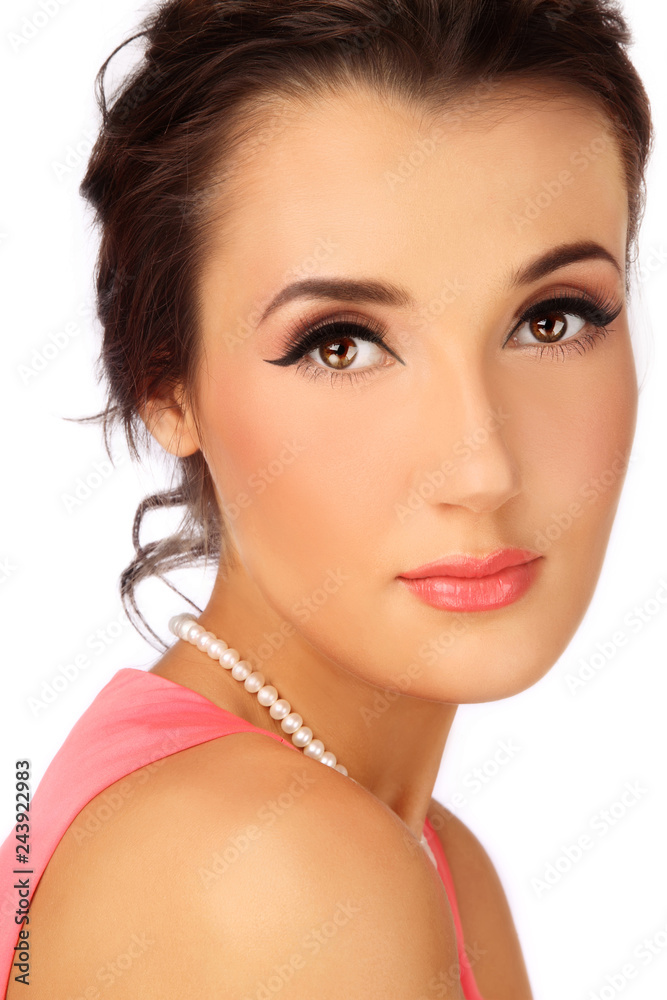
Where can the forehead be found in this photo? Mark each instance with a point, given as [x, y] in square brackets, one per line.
[378, 177]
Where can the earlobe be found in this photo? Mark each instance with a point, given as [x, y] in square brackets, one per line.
[171, 425]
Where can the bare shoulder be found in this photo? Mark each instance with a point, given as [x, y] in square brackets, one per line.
[488, 927]
[228, 867]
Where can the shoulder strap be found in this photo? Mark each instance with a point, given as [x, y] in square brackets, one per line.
[468, 981]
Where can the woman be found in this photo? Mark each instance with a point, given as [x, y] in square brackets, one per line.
[375, 414]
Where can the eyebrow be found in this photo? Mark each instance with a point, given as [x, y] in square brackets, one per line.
[348, 290]
[560, 256]
[389, 294]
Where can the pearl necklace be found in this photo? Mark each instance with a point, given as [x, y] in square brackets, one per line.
[184, 626]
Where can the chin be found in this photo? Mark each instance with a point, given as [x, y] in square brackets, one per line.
[491, 658]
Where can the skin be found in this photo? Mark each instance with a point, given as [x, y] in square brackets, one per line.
[362, 446]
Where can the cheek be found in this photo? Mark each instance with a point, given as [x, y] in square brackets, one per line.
[301, 471]
[576, 435]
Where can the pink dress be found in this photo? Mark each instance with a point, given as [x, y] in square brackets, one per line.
[137, 718]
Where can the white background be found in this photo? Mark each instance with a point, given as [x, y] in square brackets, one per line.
[58, 581]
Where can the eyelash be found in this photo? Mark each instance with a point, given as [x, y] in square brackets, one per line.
[305, 336]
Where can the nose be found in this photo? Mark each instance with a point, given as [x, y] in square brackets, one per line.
[466, 461]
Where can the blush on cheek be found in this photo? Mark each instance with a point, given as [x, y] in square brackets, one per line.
[248, 435]
[603, 450]
[314, 491]
[590, 460]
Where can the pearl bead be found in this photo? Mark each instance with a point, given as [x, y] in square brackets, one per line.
[267, 695]
[229, 658]
[216, 649]
[302, 736]
[315, 749]
[280, 709]
[193, 632]
[241, 670]
[254, 682]
[175, 622]
[204, 641]
[291, 722]
[186, 627]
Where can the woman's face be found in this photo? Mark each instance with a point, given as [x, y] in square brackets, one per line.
[343, 470]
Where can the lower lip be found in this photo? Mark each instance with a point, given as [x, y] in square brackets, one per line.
[457, 593]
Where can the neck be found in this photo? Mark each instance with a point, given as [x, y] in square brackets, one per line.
[390, 743]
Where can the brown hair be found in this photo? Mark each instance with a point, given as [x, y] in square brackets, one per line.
[212, 74]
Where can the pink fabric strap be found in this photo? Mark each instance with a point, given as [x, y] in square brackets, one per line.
[468, 981]
[136, 719]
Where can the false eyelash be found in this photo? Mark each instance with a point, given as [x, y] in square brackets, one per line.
[579, 344]
[596, 306]
[598, 309]
[305, 335]
[313, 371]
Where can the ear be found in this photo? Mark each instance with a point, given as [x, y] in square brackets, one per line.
[171, 424]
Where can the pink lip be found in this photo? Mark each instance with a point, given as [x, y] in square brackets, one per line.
[470, 566]
[467, 583]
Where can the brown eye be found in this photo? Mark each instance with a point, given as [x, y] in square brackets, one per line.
[338, 345]
[549, 328]
[339, 353]
[347, 349]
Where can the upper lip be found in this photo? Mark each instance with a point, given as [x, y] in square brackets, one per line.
[473, 566]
